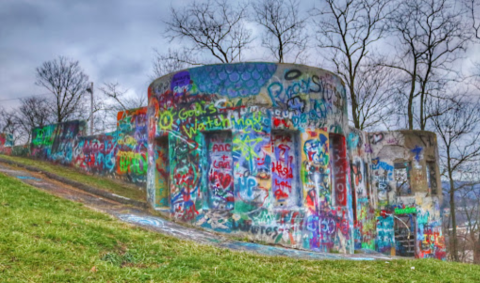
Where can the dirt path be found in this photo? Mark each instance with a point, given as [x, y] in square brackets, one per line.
[142, 218]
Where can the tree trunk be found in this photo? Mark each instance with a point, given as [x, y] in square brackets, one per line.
[422, 121]
[453, 236]
[356, 120]
[476, 249]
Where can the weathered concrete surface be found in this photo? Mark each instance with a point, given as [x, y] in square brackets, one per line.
[264, 151]
[140, 217]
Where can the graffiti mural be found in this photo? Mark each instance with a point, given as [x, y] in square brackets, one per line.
[220, 171]
[284, 169]
[120, 154]
[96, 154]
[264, 151]
[132, 155]
[56, 142]
[6, 143]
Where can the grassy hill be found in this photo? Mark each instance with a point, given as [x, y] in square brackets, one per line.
[47, 239]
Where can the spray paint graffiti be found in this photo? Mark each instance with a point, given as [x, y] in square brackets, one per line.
[6, 143]
[284, 169]
[56, 142]
[220, 171]
[385, 234]
[262, 150]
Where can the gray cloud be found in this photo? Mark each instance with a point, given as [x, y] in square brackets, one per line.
[113, 40]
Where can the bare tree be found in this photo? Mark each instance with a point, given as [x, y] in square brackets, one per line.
[473, 7]
[67, 82]
[118, 100]
[373, 93]
[349, 28]
[284, 27]
[121, 101]
[469, 197]
[430, 35]
[215, 26]
[173, 60]
[459, 133]
[8, 123]
[33, 112]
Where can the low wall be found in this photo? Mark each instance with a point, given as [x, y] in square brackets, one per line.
[121, 154]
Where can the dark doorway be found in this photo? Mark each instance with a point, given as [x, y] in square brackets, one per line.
[405, 235]
[162, 173]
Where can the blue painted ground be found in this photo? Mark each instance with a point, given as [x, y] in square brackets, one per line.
[142, 218]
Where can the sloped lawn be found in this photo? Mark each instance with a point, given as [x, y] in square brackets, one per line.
[47, 239]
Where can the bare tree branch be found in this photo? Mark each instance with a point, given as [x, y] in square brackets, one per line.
[215, 26]
[67, 82]
[459, 133]
[173, 61]
[348, 28]
[33, 112]
[284, 27]
[117, 100]
[431, 35]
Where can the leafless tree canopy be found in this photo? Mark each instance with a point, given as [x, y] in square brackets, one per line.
[373, 89]
[469, 215]
[66, 81]
[121, 102]
[172, 61]
[348, 29]
[431, 36]
[284, 28]
[458, 132]
[8, 123]
[215, 26]
[116, 100]
[33, 112]
[473, 8]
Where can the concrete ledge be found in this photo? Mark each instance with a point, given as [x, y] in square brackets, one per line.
[80, 186]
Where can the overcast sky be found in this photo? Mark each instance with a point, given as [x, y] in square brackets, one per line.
[112, 39]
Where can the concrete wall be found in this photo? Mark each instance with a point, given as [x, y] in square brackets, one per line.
[246, 149]
[396, 178]
[121, 154]
[6, 143]
[264, 151]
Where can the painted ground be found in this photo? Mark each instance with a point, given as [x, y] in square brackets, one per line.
[139, 217]
[48, 239]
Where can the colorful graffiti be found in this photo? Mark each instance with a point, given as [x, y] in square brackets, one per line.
[385, 234]
[56, 142]
[121, 154]
[220, 171]
[6, 143]
[162, 173]
[264, 150]
[285, 184]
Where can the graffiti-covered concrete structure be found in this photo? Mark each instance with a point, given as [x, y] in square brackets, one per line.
[264, 151]
[6, 143]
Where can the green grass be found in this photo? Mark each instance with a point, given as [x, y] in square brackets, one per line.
[104, 183]
[47, 239]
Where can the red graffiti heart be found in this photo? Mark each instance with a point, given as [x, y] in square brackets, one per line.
[223, 179]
